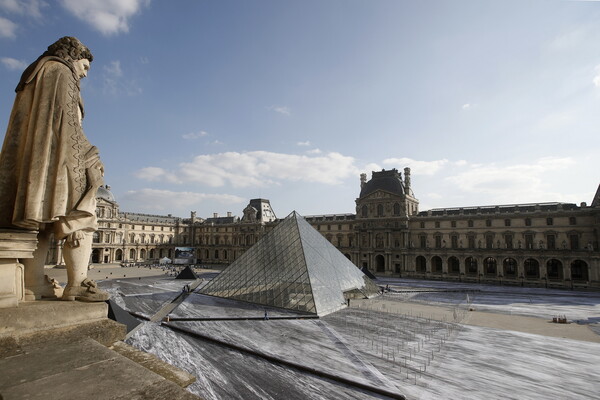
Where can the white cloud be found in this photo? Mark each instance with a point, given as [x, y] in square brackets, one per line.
[460, 163]
[307, 143]
[7, 28]
[114, 69]
[156, 174]
[314, 151]
[256, 168]
[107, 16]
[569, 39]
[513, 183]
[13, 64]
[596, 79]
[115, 82]
[155, 200]
[194, 135]
[30, 8]
[281, 110]
[466, 106]
[417, 167]
[372, 167]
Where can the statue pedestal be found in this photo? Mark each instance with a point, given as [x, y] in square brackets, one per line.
[14, 245]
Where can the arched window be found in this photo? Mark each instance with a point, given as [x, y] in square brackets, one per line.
[532, 268]
[396, 209]
[380, 210]
[453, 265]
[489, 266]
[421, 264]
[471, 266]
[509, 265]
[380, 263]
[554, 269]
[132, 255]
[436, 265]
[365, 211]
[143, 254]
[579, 270]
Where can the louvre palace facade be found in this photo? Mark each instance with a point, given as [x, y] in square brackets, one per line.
[544, 244]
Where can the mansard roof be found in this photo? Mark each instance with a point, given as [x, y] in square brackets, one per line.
[389, 181]
[596, 200]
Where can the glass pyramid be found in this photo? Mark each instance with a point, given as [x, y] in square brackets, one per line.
[292, 267]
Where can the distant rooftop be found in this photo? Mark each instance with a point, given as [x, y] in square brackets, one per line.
[504, 208]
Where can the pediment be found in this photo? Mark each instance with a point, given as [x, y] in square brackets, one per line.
[380, 195]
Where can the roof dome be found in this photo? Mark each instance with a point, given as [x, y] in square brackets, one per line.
[105, 193]
[389, 181]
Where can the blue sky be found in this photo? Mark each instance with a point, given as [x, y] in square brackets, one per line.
[202, 105]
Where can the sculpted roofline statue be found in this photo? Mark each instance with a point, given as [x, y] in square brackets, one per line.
[49, 172]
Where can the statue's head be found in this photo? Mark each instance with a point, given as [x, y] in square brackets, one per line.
[69, 49]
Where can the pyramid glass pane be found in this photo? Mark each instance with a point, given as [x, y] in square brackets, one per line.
[292, 267]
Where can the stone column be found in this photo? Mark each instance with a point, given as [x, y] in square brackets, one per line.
[14, 245]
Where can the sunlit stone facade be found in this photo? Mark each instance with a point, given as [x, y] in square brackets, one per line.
[545, 244]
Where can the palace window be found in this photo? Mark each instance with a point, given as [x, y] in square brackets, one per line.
[507, 222]
[551, 239]
[437, 224]
[574, 239]
[396, 209]
[470, 223]
[422, 225]
[549, 221]
[488, 222]
[572, 221]
[380, 210]
[438, 242]
[454, 241]
[489, 241]
[529, 241]
[527, 221]
[471, 239]
[453, 224]
[508, 239]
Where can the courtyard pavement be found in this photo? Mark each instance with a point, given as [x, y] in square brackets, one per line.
[421, 339]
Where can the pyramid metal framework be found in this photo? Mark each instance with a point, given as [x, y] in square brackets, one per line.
[292, 267]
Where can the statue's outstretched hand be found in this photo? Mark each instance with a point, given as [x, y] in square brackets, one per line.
[95, 174]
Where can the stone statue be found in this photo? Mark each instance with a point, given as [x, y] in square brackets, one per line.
[49, 172]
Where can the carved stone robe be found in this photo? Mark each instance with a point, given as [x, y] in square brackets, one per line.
[45, 154]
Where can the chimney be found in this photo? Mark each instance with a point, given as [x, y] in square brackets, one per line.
[363, 180]
[215, 215]
[407, 180]
[229, 213]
